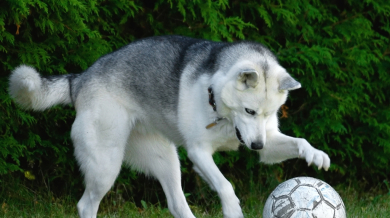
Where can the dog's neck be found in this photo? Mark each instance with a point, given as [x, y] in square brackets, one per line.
[214, 106]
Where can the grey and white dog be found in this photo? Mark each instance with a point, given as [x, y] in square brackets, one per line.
[135, 104]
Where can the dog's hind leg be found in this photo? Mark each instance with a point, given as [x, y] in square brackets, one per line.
[99, 134]
[153, 154]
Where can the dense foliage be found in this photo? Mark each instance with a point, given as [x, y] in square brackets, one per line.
[338, 50]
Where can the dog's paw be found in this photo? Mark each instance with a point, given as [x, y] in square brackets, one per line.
[231, 208]
[312, 155]
[231, 213]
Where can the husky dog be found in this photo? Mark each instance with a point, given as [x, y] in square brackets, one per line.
[135, 104]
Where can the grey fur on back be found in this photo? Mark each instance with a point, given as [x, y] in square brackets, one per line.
[151, 68]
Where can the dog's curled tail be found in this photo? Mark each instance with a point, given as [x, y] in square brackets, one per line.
[32, 91]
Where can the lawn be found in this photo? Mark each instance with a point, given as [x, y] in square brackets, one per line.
[27, 203]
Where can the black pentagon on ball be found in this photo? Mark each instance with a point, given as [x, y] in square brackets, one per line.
[283, 206]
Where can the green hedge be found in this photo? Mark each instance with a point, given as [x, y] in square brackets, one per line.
[338, 50]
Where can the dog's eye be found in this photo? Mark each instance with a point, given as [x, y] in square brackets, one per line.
[249, 111]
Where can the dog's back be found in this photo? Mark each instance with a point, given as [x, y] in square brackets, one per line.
[142, 68]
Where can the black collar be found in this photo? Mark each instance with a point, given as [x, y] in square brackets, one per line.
[212, 103]
[211, 99]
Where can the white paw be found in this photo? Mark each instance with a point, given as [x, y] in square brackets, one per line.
[230, 203]
[233, 211]
[312, 155]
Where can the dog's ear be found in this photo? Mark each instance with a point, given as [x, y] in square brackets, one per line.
[247, 78]
[286, 82]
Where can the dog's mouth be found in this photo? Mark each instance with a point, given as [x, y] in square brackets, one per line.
[239, 137]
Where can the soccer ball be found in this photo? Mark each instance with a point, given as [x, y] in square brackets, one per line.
[304, 197]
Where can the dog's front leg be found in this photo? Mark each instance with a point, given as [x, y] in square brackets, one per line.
[204, 165]
[280, 147]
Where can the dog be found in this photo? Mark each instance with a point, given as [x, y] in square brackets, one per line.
[135, 105]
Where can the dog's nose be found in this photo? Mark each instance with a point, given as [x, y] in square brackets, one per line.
[257, 145]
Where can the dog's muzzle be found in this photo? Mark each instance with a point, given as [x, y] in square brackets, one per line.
[254, 145]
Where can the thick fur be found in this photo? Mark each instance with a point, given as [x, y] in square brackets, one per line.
[32, 91]
[134, 105]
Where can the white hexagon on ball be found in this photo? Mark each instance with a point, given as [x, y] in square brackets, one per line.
[303, 197]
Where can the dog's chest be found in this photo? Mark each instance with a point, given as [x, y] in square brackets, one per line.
[224, 140]
[230, 145]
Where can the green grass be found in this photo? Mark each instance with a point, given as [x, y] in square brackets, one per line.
[366, 205]
[26, 203]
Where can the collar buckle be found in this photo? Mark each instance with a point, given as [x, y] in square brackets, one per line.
[216, 121]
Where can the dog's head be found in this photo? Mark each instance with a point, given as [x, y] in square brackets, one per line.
[252, 93]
